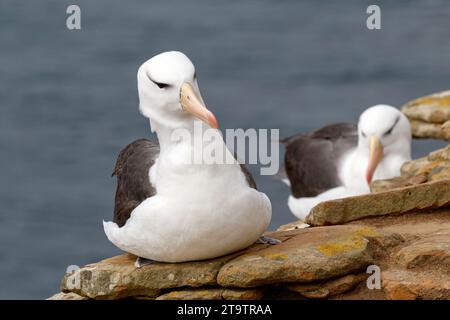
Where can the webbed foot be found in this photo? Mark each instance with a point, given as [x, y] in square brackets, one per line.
[140, 262]
[268, 240]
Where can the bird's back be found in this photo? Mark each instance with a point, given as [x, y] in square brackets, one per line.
[312, 160]
[133, 184]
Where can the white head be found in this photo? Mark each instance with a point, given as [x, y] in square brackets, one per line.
[383, 131]
[169, 93]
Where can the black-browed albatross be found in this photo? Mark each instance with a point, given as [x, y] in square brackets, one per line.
[342, 159]
[167, 207]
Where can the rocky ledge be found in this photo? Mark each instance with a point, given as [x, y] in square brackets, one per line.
[430, 116]
[391, 244]
[358, 248]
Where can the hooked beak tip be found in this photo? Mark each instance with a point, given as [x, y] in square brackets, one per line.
[213, 121]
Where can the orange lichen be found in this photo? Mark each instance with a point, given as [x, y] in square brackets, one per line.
[433, 100]
[344, 245]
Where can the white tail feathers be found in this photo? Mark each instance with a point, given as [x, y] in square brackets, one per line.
[111, 230]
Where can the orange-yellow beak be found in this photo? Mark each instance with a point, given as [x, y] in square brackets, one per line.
[375, 156]
[192, 104]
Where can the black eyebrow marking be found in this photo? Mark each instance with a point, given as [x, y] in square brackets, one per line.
[393, 126]
[159, 84]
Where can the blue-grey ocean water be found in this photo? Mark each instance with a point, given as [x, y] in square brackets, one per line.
[68, 99]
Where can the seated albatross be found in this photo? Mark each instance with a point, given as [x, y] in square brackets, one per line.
[167, 207]
[342, 159]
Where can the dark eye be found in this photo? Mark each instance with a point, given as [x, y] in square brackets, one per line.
[388, 132]
[393, 126]
[363, 134]
[161, 85]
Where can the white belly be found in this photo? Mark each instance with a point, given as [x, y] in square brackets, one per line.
[194, 222]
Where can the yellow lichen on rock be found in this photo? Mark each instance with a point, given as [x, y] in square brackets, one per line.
[344, 245]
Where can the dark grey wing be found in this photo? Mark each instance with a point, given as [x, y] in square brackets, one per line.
[311, 160]
[248, 176]
[133, 183]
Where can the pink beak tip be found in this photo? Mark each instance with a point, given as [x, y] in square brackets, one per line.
[213, 121]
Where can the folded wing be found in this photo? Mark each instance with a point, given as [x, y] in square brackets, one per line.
[312, 160]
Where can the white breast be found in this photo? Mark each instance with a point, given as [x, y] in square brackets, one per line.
[352, 172]
[199, 212]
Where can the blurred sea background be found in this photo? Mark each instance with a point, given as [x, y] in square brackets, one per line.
[68, 99]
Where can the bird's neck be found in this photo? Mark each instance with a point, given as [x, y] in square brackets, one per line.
[164, 134]
[402, 149]
[184, 156]
[188, 135]
[394, 157]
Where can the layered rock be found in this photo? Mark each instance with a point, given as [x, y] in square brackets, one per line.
[411, 250]
[214, 294]
[430, 116]
[418, 268]
[310, 256]
[329, 288]
[118, 277]
[434, 167]
[404, 232]
[410, 285]
[67, 296]
[395, 201]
